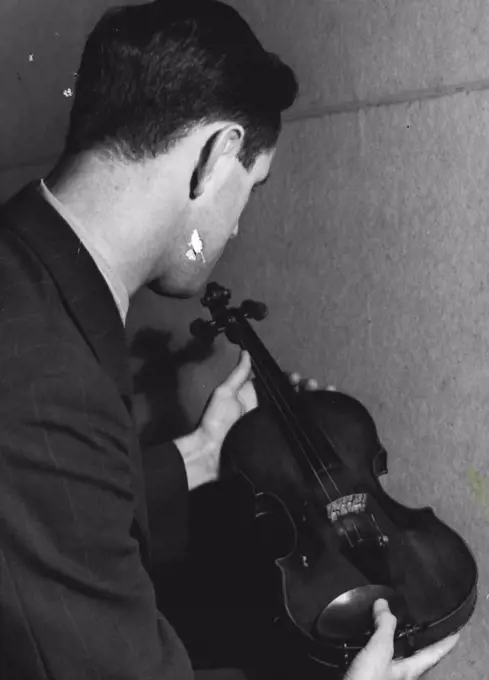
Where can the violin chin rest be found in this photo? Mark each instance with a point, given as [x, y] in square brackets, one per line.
[350, 615]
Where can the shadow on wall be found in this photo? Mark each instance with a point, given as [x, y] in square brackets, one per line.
[197, 593]
[157, 380]
[218, 595]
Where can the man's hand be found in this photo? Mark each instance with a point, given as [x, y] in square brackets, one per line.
[229, 401]
[232, 399]
[307, 383]
[375, 661]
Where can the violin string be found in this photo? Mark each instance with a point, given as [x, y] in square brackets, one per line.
[270, 391]
[261, 373]
[287, 413]
[262, 377]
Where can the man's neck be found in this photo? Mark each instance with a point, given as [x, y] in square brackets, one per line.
[114, 282]
[109, 199]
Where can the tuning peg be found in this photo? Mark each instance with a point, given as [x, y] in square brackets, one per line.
[204, 330]
[215, 293]
[254, 310]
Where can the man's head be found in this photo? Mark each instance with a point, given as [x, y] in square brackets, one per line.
[184, 81]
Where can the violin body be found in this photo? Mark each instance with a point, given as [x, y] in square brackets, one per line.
[310, 464]
[328, 575]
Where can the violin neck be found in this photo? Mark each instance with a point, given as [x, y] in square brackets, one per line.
[272, 381]
[306, 438]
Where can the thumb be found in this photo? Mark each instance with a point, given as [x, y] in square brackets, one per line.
[238, 377]
[374, 660]
[422, 661]
[381, 644]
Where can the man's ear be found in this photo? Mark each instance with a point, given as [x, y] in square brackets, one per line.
[225, 143]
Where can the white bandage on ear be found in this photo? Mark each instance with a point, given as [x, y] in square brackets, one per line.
[196, 247]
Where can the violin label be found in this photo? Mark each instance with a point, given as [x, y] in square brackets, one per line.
[347, 505]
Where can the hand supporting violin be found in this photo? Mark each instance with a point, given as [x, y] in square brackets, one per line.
[375, 662]
[229, 402]
[302, 456]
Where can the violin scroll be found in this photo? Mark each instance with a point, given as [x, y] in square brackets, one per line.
[216, 299]
[253, 310]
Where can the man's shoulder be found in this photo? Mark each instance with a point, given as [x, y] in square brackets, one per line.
[22, 275]
[37, 333]
[55, 312]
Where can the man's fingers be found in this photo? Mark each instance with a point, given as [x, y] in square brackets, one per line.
[383, 617]
[303, 383]
[422, 661]
[382, 641]
[240, 374]
[310, 384]
[247, 396]
[375, 659]
[295, 378]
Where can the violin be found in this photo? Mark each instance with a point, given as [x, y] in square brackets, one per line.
[338, 541]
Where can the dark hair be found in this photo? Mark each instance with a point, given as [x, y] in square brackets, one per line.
[151, 72]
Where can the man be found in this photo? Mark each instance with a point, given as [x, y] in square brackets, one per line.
[175, 121]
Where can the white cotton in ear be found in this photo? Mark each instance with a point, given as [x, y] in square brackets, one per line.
[196, 247]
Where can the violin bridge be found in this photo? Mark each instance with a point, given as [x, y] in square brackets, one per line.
[353, 504]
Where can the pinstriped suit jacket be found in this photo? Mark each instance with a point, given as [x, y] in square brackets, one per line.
[76, 601]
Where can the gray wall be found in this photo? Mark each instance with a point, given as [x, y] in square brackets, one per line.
[369, 244]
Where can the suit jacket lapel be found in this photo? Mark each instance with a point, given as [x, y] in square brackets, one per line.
[89, 301]
[80, 283]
